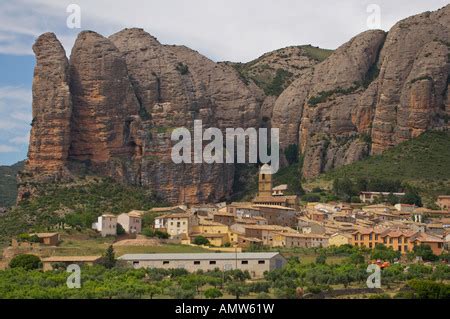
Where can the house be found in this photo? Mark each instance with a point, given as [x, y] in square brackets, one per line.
[131, 222]
[49, 262]
[169, 210]
[278, 215]
[255, 263]
[399, 239]
[377, 209]
[279, 190]
[370, 197]
[293, 239]
[106, 225]
[48, 239]
[405, 208]
[243, 210]
[443, 202]
[224, 218]
[308, 226]
[264, 232]
[339, 239]
[176, 224]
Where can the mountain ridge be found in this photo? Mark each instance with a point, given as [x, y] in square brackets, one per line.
[111, 107]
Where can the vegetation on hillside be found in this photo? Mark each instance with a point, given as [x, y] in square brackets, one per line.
[77, 204]
[8, 184]
[422, 162]
[272, 78]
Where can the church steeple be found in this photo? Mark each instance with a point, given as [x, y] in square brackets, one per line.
[265, 181]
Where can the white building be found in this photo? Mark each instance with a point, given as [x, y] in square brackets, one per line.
[255, 263]
[131, 222]
[106, 225]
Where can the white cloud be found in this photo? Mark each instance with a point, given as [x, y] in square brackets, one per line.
[8, 149]
[20, 139]
[221, 29]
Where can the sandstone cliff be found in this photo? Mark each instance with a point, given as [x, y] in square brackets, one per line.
[372, 93]
[111, 109]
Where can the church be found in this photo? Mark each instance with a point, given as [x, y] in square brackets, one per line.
[269, 195]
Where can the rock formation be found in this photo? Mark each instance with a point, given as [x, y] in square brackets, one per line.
[111, 110]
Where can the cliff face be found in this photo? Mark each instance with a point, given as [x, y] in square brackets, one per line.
[112, 108]
[372, 93]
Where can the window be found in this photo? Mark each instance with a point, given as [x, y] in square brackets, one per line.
[399, 240]
[165, 262]
[212, 262]
[135, 263]
[370, 237]
[261, 262]
[178, 224]
[391, 240]
[405, 248]
[356, 237]
[376, 236]
[399, 248]
[244, 262]
[197, 262]
[370, 245]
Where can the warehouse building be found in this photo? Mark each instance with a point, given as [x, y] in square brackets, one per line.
[255, 263]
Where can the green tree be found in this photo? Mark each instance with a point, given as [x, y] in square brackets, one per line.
[291, 154]
[25, 261]
[425, 252]
[321, 259]
[120, 230]
[201, 240]
[384, 253]
[109, 258]
[212, 293]
[237, 289]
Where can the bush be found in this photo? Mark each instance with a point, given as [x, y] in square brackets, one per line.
[120, 230]
[201, 241]
[25, 261]
[212, 293]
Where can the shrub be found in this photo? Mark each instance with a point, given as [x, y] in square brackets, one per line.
[212, 293]
[200, 240]
[120, 230]
[25, 261]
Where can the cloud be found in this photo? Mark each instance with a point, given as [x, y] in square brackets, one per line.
[16, 93]
[221, 29]
[18, 140]
[8, 149]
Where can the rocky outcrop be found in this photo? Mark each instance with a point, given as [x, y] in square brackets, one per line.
[372, 93]
[316, 110]
[112, 109]
[52, 108]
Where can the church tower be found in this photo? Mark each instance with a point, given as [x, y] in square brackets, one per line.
[265, 181]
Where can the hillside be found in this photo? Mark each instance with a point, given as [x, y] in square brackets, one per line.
[274, 71]
[77, 204]
[423, 162]
[8, 184]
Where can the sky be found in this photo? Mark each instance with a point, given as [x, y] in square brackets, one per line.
[232, 30]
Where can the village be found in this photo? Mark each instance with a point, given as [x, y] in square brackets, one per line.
[248, 235]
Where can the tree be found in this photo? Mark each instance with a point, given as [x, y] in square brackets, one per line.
[384, 253]
[411, 197]
[291, 153]
[109, 258]
[321, 259]
[120, 230]
[344, 188]
[25, 261]
[212, 293]
[200, 240]
[237, 289]
[392, 199]
[425, 252]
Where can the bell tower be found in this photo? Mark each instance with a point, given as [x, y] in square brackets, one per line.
[265, 181]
